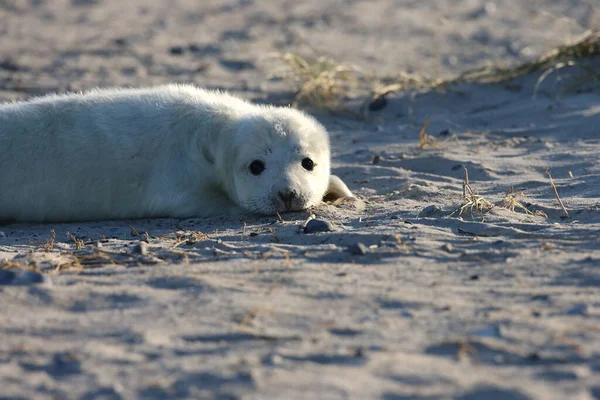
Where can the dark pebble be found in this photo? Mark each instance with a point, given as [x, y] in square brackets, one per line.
[474, 277]
[445, 133]
[358, 249]
[9, 65]
[376, 159]
[120, 41]
[237, 65]
[378, 104]
[318, 225]
[176, 50]
[430, 211]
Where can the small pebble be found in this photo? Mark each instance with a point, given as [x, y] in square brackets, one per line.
[176, 50]
[358, 249]
[141, 248]
[430, 211]
[376, 159]
[378, 103]
[318, 225]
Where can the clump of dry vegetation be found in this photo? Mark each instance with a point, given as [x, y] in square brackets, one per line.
[512, 201]
[473, 201]
[78, 242]
[49, 245]
[321, 82]
[326, 84]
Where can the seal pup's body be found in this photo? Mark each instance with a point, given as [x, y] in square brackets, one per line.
[169, 151]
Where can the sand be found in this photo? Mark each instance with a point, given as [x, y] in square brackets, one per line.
[406, 298]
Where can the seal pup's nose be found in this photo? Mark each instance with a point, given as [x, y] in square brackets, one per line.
[287, 196]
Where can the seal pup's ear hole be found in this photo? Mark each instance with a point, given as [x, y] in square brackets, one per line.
[336, 190]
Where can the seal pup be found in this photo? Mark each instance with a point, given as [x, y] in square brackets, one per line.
[173, 151]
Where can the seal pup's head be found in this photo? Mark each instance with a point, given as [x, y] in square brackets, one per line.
[281, 161]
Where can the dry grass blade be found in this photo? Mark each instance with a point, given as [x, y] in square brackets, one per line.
[424, 138]
[78, 242]
[473, 202]
[556, 193]
[49, 245]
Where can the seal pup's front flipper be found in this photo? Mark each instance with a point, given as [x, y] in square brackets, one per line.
[336, 190]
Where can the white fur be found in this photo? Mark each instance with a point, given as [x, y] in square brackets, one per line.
[169, 151]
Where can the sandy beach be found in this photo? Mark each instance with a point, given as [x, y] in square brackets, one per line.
[428, 287]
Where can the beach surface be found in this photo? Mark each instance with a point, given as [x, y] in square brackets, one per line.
[416, 292]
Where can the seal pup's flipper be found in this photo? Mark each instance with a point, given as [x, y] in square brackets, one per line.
[336, 190]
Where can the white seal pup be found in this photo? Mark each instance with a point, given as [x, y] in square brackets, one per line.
[169, 151]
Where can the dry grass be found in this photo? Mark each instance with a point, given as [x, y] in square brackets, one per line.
[326, 84]
[473, 202]
[512, 201]
[78, 242]
[49, 245]
[188, 238]
[426, 140]
[321, 82]
[556, 193]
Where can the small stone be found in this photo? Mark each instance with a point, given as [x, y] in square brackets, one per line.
[474, 277]
[318, 225]
[237, 65]
[447, 247]
[358, 249]
[376, 159]
[445, 133]
[7, 276]
[120, 41]
[176, 50]
[430, 211]
[28, 278]
[379, 103]
[141, 248]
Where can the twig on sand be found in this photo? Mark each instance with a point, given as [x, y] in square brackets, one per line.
[556, 193]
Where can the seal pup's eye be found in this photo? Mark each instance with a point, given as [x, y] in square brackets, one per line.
[308, 164]
[256, 167]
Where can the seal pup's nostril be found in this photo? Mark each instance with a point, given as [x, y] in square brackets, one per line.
[287, 196]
